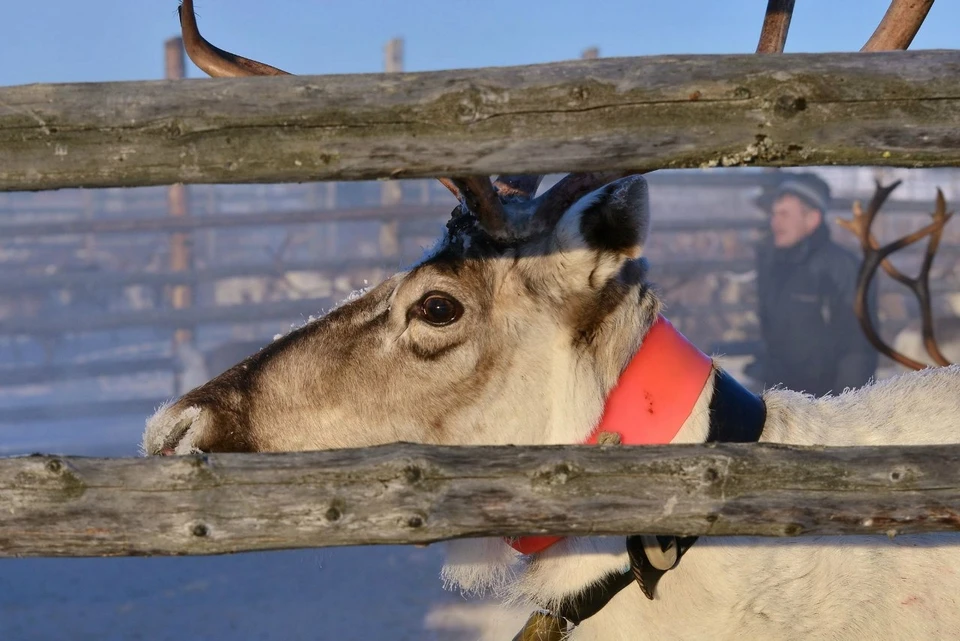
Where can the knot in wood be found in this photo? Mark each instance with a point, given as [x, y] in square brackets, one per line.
[412, 474]
[468, 110]
[788, 106]
[578, 95]
[902, 474]
[175, 129]
[559, 474]
[473, 105]
[415, 522]
[335, 511]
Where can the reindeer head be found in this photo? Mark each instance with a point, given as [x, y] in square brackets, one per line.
[512, 330]
[506, 333]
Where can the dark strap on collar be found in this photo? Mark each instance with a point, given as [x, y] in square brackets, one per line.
[591, 600]
[737, 415]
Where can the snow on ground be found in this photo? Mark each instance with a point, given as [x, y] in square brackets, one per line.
[342, 594]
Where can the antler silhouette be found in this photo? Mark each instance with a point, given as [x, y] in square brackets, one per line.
[875, 256]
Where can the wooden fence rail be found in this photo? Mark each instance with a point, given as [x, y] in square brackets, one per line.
[403, 493]
[118, 225]
[133, 408]
[891, 108]
[40, 374]
[294, 310]
[31, 283]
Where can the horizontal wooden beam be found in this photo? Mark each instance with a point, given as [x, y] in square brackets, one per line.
[415, 218]
[294, 310]
[135, 408]
[24, 283]
[118, 225]
[405, 215]
[890, 108]
[403, 493]
[29, 282]
[40, 374]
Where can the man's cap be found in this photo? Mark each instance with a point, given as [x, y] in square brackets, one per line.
[808, 187]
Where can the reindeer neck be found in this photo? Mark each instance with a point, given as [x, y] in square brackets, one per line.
[654, 398]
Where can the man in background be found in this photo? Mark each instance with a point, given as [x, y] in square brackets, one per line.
[806, 287]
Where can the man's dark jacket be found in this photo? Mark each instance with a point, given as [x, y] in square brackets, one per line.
[812, 338]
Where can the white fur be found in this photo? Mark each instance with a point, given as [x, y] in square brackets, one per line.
[813, 588]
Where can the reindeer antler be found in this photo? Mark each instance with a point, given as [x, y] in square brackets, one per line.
[876, 256]
[776, 23]
[214, 61]
[574, 186]
[899, 25]
[552, 204]
[475, 193]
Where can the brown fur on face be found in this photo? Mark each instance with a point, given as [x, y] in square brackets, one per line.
[546, 325]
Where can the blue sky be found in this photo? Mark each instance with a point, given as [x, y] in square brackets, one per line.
[104, 40]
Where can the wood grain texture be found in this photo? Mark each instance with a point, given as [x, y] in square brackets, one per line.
[404, 493]
[890, 108]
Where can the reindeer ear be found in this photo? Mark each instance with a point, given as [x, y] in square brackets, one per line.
[613, 220]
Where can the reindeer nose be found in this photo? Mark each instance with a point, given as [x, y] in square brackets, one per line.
[168, 428]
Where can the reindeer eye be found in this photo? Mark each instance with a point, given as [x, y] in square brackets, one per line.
[439, 309]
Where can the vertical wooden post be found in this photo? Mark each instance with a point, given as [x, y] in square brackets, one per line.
[89, 212]
[391, 191]
[590, 53]
[177, 206]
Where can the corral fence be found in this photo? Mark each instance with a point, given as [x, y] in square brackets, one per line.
[890, 109]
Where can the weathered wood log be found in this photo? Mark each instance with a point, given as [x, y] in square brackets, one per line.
[890, 108]
[405, 493]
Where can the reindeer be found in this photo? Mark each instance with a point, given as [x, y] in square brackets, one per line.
[520, 327]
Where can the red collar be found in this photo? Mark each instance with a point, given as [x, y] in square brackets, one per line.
[651, 401]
